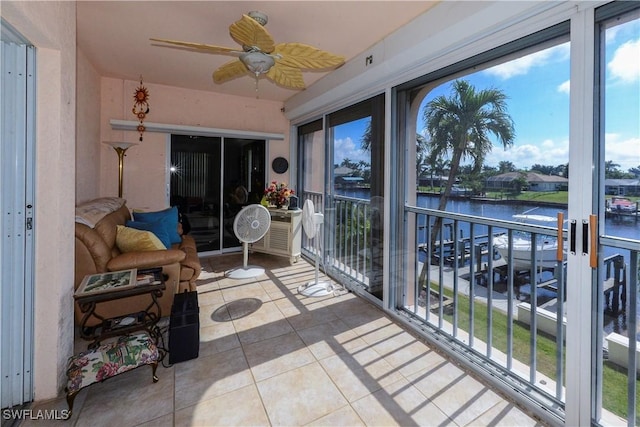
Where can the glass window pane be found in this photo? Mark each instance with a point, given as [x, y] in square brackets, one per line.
[353, 211]
[620, 173]
[491, 143]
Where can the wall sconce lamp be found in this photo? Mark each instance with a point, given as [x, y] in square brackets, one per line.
[121, 148]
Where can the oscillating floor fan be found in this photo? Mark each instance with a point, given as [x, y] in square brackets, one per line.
[250, 225]
[311, 223]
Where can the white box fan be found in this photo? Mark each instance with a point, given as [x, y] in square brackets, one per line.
[250, 225]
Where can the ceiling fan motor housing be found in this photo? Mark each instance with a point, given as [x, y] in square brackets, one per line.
[260, 17]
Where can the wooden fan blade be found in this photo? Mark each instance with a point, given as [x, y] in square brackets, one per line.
[300, 55]
[286, 76]
[229, 71]
[199, 46]
[248, 32]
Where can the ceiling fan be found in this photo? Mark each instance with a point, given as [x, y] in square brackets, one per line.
[282, 63]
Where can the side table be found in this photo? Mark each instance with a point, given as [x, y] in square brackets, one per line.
[89, 300]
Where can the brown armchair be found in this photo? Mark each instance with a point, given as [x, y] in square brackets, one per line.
[96, 252]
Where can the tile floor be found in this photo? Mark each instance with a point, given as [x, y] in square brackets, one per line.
[272, 357]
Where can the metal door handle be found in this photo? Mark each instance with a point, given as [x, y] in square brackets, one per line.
[585, 237]
[593, 228]
[572, 237]
[560, 251]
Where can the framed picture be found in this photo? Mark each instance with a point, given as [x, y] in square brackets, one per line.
[107, 282]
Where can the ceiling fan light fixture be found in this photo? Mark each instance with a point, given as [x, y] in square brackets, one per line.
[257, 62]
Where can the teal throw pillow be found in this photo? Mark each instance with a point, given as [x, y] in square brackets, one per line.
[158, 228]
[167, 217]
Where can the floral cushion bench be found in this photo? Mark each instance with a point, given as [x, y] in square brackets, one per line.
[108, 360]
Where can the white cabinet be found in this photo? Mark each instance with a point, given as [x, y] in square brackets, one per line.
[284, 235]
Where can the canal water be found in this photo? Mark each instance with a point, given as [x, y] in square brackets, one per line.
[628, 228]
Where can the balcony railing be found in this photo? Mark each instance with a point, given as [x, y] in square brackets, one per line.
[474, 283]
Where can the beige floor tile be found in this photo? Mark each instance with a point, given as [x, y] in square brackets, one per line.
[233, 310]
[128, 399]
[212, 314]
[310, 318]
[242, 407]
[300, 396]
[209, 297]
[372, 327]
[210, 376]
[208, 280]
[384, 334]
[227, 283]
[409, 357]
[504, 414]
[217, 339]
[344, 416]
[456, 393]
[163, 421]
[274, 356]
[359, 372]
[348, 305]
[270, 356]
[268, 322]
[274, 291]
[329, 339]
[399, 404]
[245, 290]
[56, 410]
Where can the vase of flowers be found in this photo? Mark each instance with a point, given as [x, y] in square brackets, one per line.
[277, 194]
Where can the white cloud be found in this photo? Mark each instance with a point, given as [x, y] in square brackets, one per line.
[624, 152]
[625, 64]
[524, 64]
[564, 87]
[346, 148]
[612, 33]
[523, 156]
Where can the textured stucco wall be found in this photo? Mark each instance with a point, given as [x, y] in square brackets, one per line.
[88, 145]
[51, 27]
[145, 165]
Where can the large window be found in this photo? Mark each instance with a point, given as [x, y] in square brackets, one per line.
[487, 152]
[513, 228]
[616, 293]
[342, 170]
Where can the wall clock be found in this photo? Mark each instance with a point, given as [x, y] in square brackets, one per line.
[280, 165]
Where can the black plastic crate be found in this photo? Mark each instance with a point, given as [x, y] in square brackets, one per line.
[184, 328]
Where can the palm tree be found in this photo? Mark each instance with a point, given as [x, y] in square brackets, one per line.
[507, 166]
[460, 125]
[422, 154]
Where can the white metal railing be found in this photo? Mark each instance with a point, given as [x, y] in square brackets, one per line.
[466, 282]
[476, 285]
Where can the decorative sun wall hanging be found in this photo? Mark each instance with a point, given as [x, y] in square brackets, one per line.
[141, 106]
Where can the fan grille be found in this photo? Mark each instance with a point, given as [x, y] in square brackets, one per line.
[252, 223]
[308, 224]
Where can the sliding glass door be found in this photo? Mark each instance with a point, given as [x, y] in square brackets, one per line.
[212, 178]
[615, 286]
[355, 174]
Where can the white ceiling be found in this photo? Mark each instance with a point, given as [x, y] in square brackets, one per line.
[114, 36]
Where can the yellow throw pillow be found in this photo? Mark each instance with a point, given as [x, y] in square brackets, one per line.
[131, 240]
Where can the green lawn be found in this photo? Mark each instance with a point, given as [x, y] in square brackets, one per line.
[560, 197]
[614, 396]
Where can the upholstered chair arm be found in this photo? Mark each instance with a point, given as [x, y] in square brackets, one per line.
[146, 259]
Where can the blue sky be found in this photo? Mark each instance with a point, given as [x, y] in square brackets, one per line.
[537, 87]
